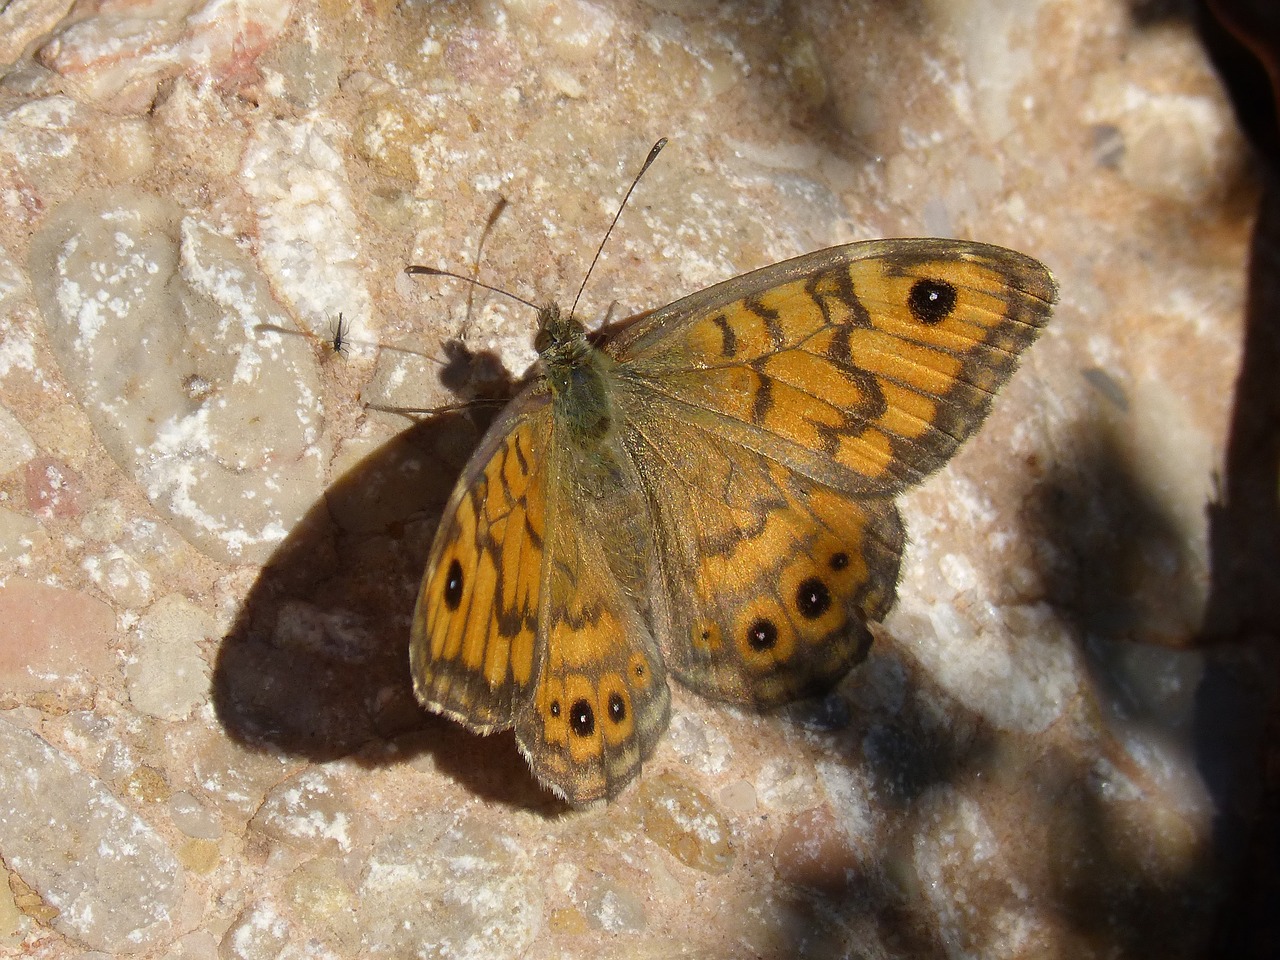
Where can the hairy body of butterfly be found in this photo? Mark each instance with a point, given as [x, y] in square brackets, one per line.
[710, 491]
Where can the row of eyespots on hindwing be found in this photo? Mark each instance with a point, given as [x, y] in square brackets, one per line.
[585, 717]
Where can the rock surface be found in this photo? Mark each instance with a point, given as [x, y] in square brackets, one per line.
[211, 527]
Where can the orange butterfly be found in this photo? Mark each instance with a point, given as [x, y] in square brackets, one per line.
[708, 492]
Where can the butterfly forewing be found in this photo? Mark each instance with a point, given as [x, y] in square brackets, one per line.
[475, 624]
[862, 367]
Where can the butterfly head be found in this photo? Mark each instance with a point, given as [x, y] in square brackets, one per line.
[576, 373]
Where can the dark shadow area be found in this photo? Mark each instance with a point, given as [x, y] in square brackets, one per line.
[926, 743]
[316, 664]
[1116, 568]
[1245, 523]
[1114, 906]
[1111, 894]
[1111, 557]
[1243, 39]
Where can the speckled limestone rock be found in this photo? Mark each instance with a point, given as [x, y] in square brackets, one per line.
[687, 824]
[212, 527]
[54, 817]
[54, 640]
[156, 321]
[448, 890]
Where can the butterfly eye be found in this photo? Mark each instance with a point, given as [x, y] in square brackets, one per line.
[931, 301]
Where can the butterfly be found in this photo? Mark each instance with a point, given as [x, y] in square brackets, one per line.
[708, 492]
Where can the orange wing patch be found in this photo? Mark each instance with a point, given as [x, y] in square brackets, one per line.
[472, 643]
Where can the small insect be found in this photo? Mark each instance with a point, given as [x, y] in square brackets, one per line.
[338, 331]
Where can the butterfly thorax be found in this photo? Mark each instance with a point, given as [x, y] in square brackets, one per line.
[575, 372]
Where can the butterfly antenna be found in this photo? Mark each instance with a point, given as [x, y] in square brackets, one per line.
[433, 272]
[498, 208]
[653, 155]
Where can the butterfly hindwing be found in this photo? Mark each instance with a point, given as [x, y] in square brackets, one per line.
[771, 577]
[601, 699]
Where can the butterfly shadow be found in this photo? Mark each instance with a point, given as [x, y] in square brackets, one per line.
[316, 664]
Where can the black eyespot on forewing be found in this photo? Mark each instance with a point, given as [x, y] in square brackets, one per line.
[931, 301]
[582, 719]
[453, 585]
[839, 560]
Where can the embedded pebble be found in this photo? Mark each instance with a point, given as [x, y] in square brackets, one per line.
[738, 796]
[309, 811]
[234, 777]
[814, 852]
[449, 892]
[389, 135]
[699, 744]
[965, 879]
[994, 41]
[783, 786]
[22, 21]
[575, 30]
[1168, 139]
[16, 447]
[11, 918]
[153, 319]
[53, 637]
[123, 51]
[145, 783]
[337, 634]
[199, 945]
[18, 534]
[258, 932]
[1034, 671]
[609, 906]
[193, 818]
[684, 822]
[167, 676]
[306, 72]
[308, 229]
[325, 904]
[851, 795]
[65, 833]
[127, 149]
[54, 490]
[38, 131]
[120, 576]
